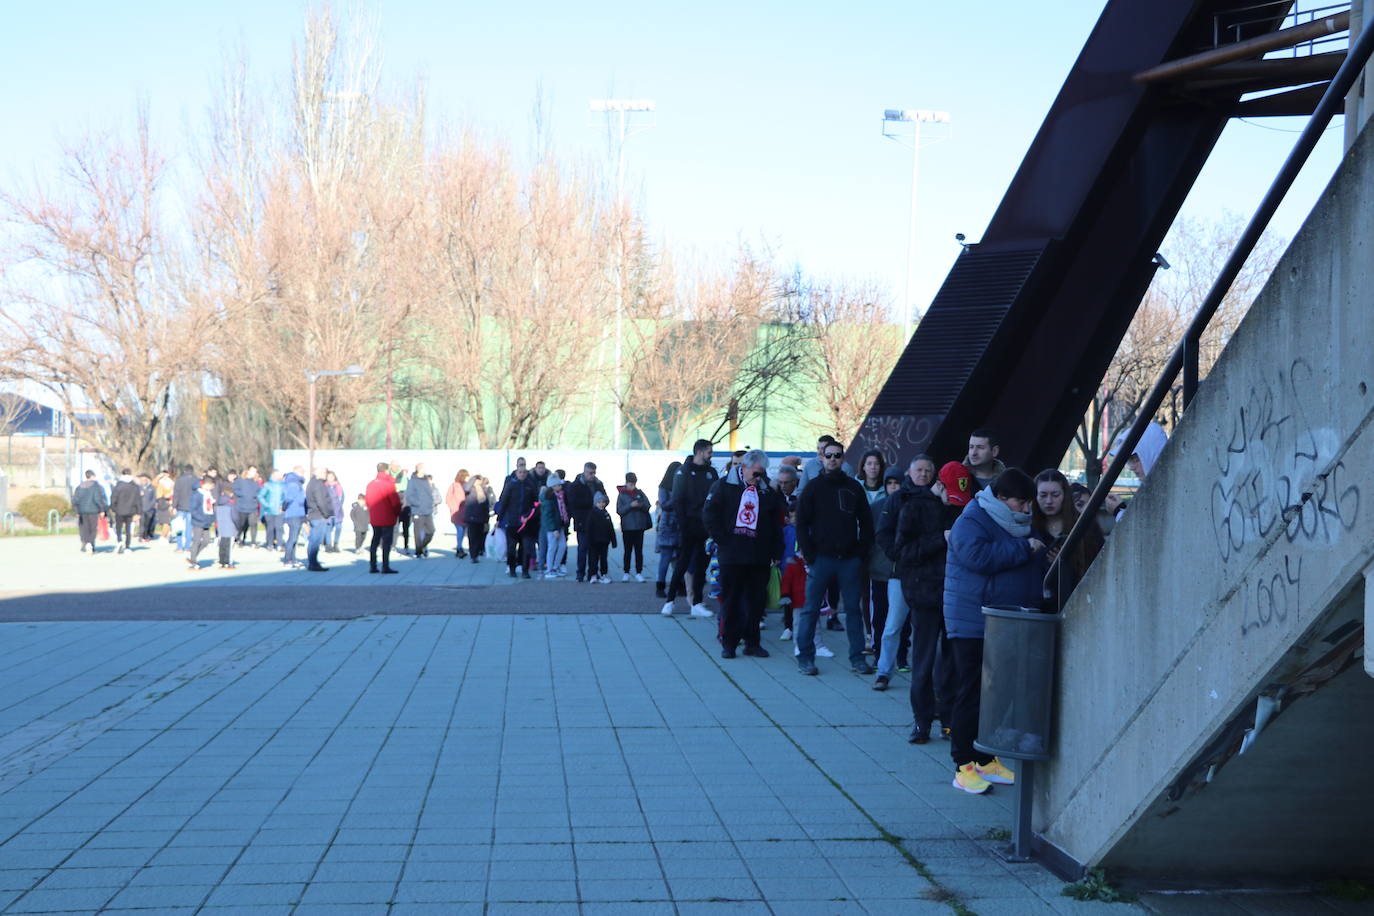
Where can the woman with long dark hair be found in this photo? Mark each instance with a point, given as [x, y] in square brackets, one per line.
[873, 601]
[1053, 515]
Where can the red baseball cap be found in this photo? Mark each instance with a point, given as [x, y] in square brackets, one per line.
[958, 483]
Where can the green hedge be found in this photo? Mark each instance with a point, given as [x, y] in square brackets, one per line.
[36, 506]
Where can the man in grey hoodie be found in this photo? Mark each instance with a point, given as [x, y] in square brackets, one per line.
[88, 499]
[420, 499]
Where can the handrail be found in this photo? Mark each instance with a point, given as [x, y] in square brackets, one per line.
[1331, 101]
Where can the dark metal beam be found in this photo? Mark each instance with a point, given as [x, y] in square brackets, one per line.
[1252, 47]
[1296, 102]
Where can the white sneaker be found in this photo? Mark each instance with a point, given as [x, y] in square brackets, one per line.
[822, 651]
[700, 610]
[667, 610]
[624, 577]
[549, 575]
[639, 577]
[763, 625]
[786, 635]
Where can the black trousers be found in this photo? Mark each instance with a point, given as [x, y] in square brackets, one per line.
[88, 524]
[383, 535]
[634, 546]
[225, 545]
[691, 555]
[405, 526]
[963, 726]
[424, 532]
[124, 528]
[520, 548]
[359, 535]
[877, 611]
[246, 524]
[743, 593]
[149, 523]
[933, 682]
[272, 531]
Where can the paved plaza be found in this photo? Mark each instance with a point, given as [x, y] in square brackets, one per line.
[462, 763]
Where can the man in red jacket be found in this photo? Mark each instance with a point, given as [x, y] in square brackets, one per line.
[383, 509]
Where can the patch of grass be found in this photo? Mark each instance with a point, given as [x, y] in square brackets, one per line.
[1346, 889]
[997, 834]
[1095, 886]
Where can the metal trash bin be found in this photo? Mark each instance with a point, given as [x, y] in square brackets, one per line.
[1018, 682]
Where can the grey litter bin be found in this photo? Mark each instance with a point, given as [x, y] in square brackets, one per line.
[1018, 683]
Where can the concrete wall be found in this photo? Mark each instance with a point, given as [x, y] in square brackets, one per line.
[1255, 521]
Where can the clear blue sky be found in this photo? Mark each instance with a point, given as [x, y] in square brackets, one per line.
[769, 112]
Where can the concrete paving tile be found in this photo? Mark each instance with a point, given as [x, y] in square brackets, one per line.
[340, 909]
[159, 896]
[613, 869]
[531, 891]
[88, 877]
[349, 892]
[625, 890]
[20, 879]
[278, 855]
[711, 889]
[273, 873]
[498, 908]
[443, 852]
[523, 869]
[834, 908]
[445, 892]
[638, 908]
[747, 908]
[163, 875]
[421, 909]
[255, 895]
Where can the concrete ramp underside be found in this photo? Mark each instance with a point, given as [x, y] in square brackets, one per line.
[1232, 596]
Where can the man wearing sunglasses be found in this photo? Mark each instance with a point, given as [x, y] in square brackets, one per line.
[834, 536]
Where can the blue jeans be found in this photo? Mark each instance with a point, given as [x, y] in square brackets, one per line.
[822, 573]
[897, 612]
[293, 534]
[666, 555]
[184, 539]
[318, 530]
[331, 535]
[459, 548]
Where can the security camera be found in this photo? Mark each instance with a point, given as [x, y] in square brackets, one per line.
[1159, 259]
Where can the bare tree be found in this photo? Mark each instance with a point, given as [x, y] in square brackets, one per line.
[853, 349]
[97, 306]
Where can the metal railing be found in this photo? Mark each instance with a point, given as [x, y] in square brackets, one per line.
[1227, 30]
[1185, 355]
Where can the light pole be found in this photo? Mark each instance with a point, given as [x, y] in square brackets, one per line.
[314, 375]
[621, 110]
[916, 117]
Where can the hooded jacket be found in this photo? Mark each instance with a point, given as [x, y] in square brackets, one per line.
[833, 518]
[986, 565]
[246, 495]
[383, 502]
[89, 498]
[919, 547]
[598, 527]
[997, 468]
[1148, 449]
[633, 509]
[269, 497]
[719, 515]
[359, 516]
[203, 508]
[293, 495]
[126, 498]
[553, 510]
[691, 485]
[184, 491]
[518, 499]
[419, 496]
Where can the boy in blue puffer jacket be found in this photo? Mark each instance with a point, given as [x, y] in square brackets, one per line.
[992, 560]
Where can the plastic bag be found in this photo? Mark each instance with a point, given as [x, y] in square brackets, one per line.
[104, 528]
[774, 589]
[496, 543]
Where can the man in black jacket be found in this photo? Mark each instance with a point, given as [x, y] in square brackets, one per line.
[318, 510]
[183, 495]
[743, 515]
[919, 548]
[691, 485]
[126, 502]
[246, 489]
[579, 496]
[834, 537]
[147, 494]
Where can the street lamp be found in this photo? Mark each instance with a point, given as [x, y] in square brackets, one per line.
[620, 111]
[916, 117]
[314, 375]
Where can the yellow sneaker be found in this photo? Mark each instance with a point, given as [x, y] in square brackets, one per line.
[967, 778]
[996, 773]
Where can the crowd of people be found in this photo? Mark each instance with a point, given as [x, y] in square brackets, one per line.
[901, 560]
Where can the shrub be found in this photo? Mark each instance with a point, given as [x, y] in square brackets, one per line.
[35, 508]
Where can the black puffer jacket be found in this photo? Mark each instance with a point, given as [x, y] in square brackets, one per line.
[920, 548]
[833, 518]
[691, 485]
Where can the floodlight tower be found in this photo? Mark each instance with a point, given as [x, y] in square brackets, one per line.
[915, 117]
[622, 113]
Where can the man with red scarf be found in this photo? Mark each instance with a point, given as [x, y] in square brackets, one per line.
[744, 516]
